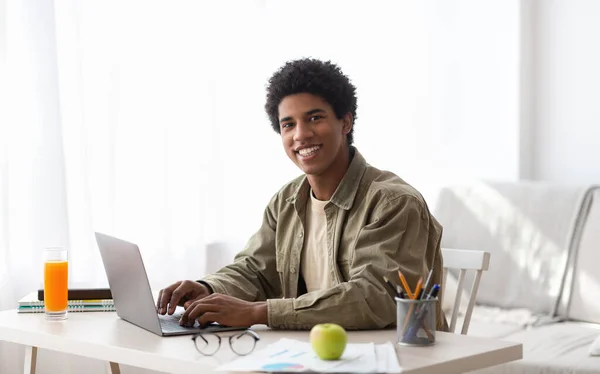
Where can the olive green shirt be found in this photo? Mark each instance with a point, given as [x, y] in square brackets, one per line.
[377, 224]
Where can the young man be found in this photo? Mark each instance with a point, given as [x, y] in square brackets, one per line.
[328, 237]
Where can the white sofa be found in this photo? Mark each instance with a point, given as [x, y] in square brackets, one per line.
[543, 284]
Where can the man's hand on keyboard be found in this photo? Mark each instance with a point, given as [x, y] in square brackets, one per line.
[179, 293]
[225, 310]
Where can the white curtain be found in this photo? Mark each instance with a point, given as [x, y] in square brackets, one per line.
[144, 119]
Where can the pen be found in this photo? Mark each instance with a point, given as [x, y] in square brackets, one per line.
[434, 291]
[405, 285]
[400, 292]
[427, 283]
[432, 295]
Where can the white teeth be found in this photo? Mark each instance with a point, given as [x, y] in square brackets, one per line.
[309, 151]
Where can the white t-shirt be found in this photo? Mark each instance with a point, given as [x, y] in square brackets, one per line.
[315, 260]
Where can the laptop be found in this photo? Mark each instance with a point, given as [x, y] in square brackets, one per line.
[132, 294]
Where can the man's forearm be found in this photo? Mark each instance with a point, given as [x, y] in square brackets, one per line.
[347, 304]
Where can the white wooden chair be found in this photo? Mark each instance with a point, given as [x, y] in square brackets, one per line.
[464, 260]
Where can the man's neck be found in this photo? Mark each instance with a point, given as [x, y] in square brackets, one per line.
[324, 186]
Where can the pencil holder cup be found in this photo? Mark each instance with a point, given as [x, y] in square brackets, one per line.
[416, 321]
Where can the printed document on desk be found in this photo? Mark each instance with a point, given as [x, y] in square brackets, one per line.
[288, 355]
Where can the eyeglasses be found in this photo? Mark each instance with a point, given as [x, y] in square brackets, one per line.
[209, 342]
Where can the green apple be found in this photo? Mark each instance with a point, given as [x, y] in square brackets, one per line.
[328, 340]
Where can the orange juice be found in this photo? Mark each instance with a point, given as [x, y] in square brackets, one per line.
[56, 285]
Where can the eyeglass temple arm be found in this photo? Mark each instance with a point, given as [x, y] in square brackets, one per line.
[252, 333]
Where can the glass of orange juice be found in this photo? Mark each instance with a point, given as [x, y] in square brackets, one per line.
[56, 283]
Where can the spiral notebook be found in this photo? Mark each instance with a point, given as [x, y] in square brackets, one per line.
[31, 304]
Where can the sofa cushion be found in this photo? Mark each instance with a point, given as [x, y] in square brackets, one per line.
[584, 300]
[527, 228]
[555, 348]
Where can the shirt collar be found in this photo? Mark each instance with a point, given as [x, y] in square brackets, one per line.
[346, 191]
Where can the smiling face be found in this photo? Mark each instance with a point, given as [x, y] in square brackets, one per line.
[313, 137]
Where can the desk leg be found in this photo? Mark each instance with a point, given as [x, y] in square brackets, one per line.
[30, 360]
[113, 368]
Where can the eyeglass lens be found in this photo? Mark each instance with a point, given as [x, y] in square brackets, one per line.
[243, 343]
[207, 344]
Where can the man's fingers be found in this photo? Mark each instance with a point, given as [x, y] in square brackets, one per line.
[206, 299]
[187, 316]
[176, 296]
[209, 317]
[158, 308]
[164, 297]
[195, 310]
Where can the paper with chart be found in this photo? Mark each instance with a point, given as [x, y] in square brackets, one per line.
[288, 355]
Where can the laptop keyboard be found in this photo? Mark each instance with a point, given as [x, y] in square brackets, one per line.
[170, 323]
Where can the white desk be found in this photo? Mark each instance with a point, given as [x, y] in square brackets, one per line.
[104, 336]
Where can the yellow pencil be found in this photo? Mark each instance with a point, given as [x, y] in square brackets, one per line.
[405, 285]
[418, 289]
[413, 297]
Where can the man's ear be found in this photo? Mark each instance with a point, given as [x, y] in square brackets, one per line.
[347, 123]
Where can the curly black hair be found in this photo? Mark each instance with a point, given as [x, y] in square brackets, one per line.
[321, 78]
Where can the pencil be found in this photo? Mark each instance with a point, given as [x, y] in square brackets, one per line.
[428, 332]
[414, 296]
[405, 285]
[419, 289]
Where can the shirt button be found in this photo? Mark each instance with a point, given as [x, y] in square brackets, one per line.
[293, 270]
[300, 235]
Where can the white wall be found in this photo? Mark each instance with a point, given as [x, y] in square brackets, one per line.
[2, 34]
[566, 91]
[455, 112]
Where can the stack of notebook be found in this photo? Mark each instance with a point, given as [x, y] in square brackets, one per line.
[80, 300]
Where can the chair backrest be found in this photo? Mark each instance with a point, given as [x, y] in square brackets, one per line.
[464, 260]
